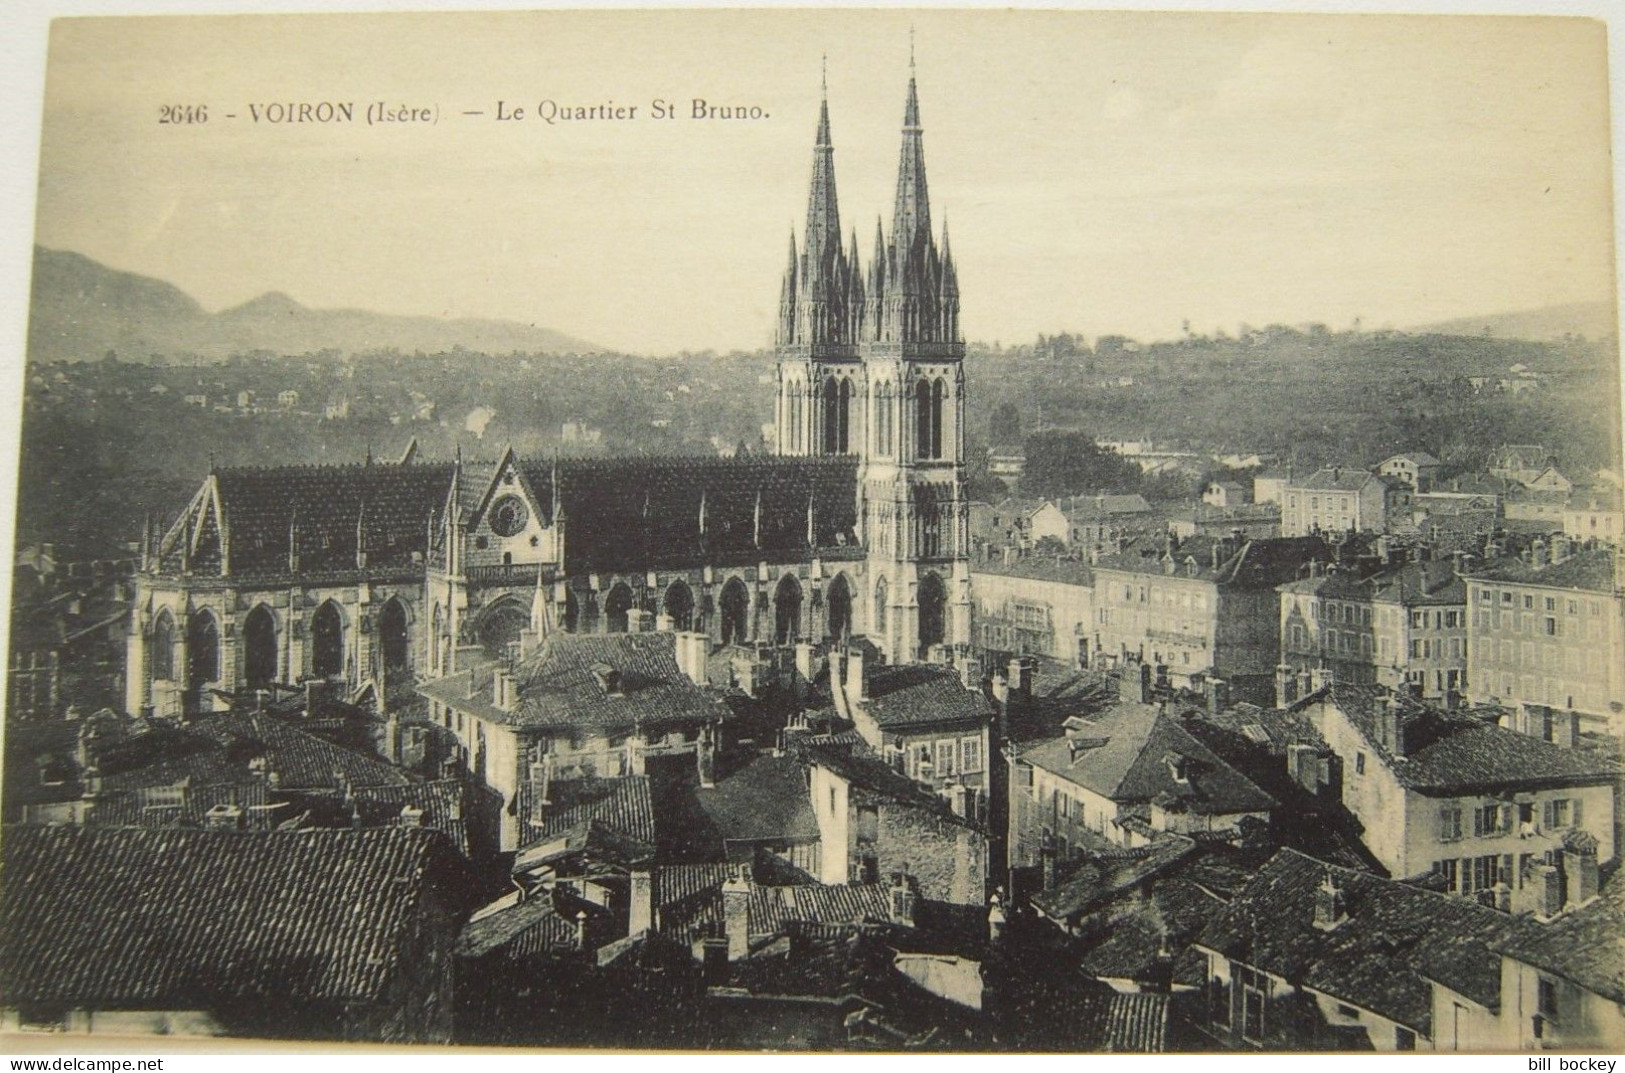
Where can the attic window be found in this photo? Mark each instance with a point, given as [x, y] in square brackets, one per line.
[1178, 767]
[1255, 732]
[609, 679]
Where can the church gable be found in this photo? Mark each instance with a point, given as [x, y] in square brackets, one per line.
[509, 523]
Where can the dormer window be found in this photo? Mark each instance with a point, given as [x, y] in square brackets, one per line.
[1178, 768]
[609, 679]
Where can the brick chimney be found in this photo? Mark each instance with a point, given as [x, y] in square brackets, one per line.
[736, 911]
[1331, 905]
[641, 910]
[902, 900]
[223, 818]
[857, 689]
[1581, 879]
[1218, 695]
[581, 929]
[411, 817]
[1046, 858]
[1145, 683]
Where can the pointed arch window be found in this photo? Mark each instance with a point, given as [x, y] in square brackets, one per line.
[880, 606]
[929, 396]
[163, 647]
[837, 415]
[203, 649]
[883, 418]
[259, 647]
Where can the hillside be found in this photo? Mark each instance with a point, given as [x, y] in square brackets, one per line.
[1593, 320]
[82, 309]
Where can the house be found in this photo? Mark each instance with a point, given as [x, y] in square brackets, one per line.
[1595, 514]
[211, 933]
[1024, 522]
[1033, 604]
[1456, 795]
[1226, 494]
[1549, 480]
[579, 705]
[1098, 520]
[1547, 634]
[1254, 520]
[1204, 606]
[287, 399]
[1563, 981]
[1547, 506]
[1473, 492]
[1007, 462]
[1403, 626]
[1416, 468]
[1343, 498]
[1119, 779]
[1313, 956]
[1520, 462]
[1268, 485]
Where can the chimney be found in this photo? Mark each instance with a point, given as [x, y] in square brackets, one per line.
[1047, 860]
[1021, 677]
[1145, 683]
[1548, 890]
[804, 660]
[663, 623]
[223, 818]
[691, 648]
[903, 900]
[1537, 554]
[1303, 764]
[411, 817]
[1580, 876]
[641, 912]
[1000, 689]
[1390, 726]
[1331, 906]
[1218, 695]
[857, 689]
[736, 911]
[581, 929]
[1286, 686]
[996, 918]
[969, 667]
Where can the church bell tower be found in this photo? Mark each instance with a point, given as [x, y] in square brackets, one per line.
[873, 366]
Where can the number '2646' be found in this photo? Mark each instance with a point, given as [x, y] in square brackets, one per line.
[183, 113]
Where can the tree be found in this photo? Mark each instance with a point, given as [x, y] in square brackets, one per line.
[1070, 463]
[1005, 425]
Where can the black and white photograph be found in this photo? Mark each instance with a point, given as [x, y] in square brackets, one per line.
[794, 530]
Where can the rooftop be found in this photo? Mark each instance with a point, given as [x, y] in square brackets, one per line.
[184, 919]
[1586, 570]
[1394, 939]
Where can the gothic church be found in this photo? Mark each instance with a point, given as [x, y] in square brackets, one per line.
[379, 574]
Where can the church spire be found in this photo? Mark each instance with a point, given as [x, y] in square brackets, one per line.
[911, 217]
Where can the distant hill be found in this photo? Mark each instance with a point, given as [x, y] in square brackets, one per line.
[81, 309]
[1594, 320]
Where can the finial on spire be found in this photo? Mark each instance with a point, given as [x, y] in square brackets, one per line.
[823, 74]
[911, 47]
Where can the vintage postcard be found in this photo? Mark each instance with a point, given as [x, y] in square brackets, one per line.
[835, 530]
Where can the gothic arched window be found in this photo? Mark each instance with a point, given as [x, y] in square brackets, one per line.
[933, 607]
[880, 606]
[928, 400]
[837, 415]
[327, 641]
[163, 647]
[203, 649]
[883, 421]
[259, 646]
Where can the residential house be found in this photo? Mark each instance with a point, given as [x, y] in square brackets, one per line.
[1416, 468]
[1269, 485]
[1255, 521]
[1205, 606]
[1547, 506]
[1313, 956]
[1547, 633]
[1563, 980]
[1033, 604]
[197, 932]
[1226, 494]
[579, 705]
[1120, 779]
[1549, 479]
[1520, 462]
[1025, 522]
[1404, 626]
[1099, 520]
[1595, 514]
[1343, 498]
[1456, 795]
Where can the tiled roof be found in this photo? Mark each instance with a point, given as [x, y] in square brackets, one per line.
[622, 805]
[1582, 945]
[873, 781]
[1396, 937]
[1097, 879]
[1090, 508]
[640, 513]
[442, 802]
[321, 506]
[1262, 562]
[1127, 755]
[1591, 571]
[1420, 458]
[688, 900]
[181, 919]
[1039, 568]
[1336, 479]
[767, 798]
[559, 687]
[920, 694]
[1449, 754]
[533, 926]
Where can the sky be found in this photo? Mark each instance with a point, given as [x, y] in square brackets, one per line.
[1101, 173]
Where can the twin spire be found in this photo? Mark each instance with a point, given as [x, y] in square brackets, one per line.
[911, 292]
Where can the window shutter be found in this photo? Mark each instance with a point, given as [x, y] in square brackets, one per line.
[1478, 823]
[1506, 818]
[1546, 816]
[1576, 812]
[1444, 825]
